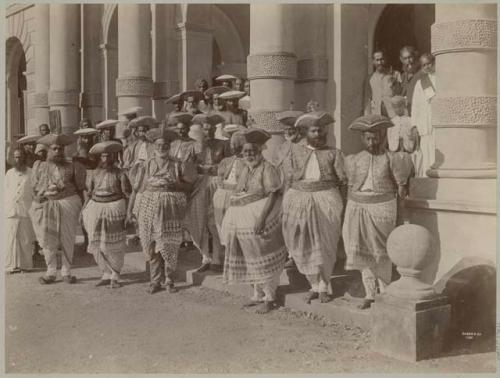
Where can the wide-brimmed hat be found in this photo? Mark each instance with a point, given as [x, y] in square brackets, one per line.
[86, 131]
[162, 132]
[232, 95]
[107, 124]
[197, 95]
[107, 147]
[216, 90]
[230, 129]
[212, 119]
[256, 136]
[372, 122]
[59, 139]
[131, 111]
[174, 99]
[29, 139]
[225, 77]
[289, 117]
[179, 117]
[145, 120]
[316, 118]
[196, 132]
[41, 147]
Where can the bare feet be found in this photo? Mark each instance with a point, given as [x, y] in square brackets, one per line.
[115, 284]
[310, 296]
[103, 283]
[324, 297]
[252, 303]
[154, 288]
[264, 307]
[171, 288]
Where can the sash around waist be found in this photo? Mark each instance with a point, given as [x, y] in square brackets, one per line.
[61, 195]
[246, 199]
[313, 186]
[107, 198]
[371, 198]
[160, 189]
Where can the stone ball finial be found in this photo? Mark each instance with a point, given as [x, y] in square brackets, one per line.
[411, 248]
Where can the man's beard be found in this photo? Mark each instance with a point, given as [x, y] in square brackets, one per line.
[161, 154]
[57, 159]
[317, 142]
[255, 162]
[106, 165]
[410, 68]
[21, 167]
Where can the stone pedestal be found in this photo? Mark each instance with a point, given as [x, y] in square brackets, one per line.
[64, 92]
[134, 86]
[409, 330]
[272, 68]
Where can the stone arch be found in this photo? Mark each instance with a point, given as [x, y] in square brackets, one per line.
[15, 88]
[395, 25]
[109, 48]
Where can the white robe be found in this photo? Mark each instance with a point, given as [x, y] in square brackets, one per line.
[19, 230]
[421, 117]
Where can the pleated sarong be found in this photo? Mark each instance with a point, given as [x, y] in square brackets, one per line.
[311, 228]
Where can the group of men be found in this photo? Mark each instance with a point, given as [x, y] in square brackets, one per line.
[245, 214]
[406, 98]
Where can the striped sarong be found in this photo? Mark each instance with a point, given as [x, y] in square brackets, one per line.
[251, 258]
[311, 229]
[104, 222]
[161, 220]
[366, 229]
[56, 222]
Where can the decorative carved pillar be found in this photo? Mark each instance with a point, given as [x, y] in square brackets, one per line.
[39, 99]
[134, 86]
[195, 58]
[91, 96]
[64, 92]
[464, 111]
[272, 67]
[165, 73]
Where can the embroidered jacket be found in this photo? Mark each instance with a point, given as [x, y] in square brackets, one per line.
[330, 162]
[59, 181]
[388, 169]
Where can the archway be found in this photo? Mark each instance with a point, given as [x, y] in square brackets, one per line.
[15, 86]
[404, 24]
[110, 60]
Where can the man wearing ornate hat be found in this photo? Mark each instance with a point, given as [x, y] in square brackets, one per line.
[184, 148]
[107, 130]
[128, 115]
[85, 142]
[105, 211]
[141, 149]
[28, 144]
[200, 219]
[312, 206]
[233, 114]
[375, 178]
[163, 184]
[291, 134]
[251, 228]
[58, 186]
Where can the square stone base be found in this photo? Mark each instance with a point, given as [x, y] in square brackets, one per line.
[409, 330]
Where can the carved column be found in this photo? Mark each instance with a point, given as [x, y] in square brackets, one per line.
[91, 96]
[165, 73]
[65, 63]
[134, 86]
[464, 40]
[272, 67]
[39, 99]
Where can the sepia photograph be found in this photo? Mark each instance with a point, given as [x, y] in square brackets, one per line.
[250, 188]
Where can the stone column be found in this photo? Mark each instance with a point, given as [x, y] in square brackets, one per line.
[91, 96]
[272, 67]
[39, 100]
[165, 72]
[464, 110]
[195, 58]
[109, 55]
[65, 63]
[134, 86]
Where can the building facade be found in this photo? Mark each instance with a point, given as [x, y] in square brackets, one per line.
[94, 60]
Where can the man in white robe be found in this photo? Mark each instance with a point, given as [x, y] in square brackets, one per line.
[421, 115]
[19, 230]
